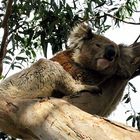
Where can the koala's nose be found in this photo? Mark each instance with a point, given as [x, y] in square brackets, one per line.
[109, 52]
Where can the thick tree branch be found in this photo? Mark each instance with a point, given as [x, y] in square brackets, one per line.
[50, 119]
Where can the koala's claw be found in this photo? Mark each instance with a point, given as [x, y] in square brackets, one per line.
[75, 95]
[95, 90]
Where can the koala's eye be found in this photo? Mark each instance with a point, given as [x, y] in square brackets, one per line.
[98, 45]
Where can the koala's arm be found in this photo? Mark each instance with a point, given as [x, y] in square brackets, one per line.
[40, 80]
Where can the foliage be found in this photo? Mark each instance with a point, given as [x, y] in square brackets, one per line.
[134, 116]
[36, 25]
[4, 136]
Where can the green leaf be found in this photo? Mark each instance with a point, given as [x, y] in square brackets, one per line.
[138, 122]
[27, 52]
[17, 66]
[133, 121]
[20, 58]
[33, 53]
[8, 57]
[125, 97]
[128, 100]
[12, 66]
[132, 86]
[6, 62]
[129, 118]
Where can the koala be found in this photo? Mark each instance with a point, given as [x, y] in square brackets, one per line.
[40, 80]
[96, 60]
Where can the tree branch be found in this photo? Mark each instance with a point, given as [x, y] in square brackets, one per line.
[136, 41]
[8, 13]
[34, 119]
[136, 48]
[114, 17]
[4, 42]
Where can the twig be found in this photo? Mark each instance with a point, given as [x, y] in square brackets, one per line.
[134, 23]
[114, 17]
[136, 40]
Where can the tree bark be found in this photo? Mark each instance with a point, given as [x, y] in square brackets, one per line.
[56, 119]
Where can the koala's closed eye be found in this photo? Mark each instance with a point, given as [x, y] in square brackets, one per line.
[98, 45]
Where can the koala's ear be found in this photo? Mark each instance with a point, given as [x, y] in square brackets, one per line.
[89, 34]
[82, 31]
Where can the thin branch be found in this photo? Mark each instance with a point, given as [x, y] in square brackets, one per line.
[130, 102]
[9, 68]
[136, 40]
[4, 42]
[136, 43]
[8, 13]
[114, 17]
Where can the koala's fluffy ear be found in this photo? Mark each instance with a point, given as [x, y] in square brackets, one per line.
[81, 31]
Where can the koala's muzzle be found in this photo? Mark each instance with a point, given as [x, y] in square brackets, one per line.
[109, 52]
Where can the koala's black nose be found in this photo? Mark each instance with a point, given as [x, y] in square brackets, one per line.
[109, 52]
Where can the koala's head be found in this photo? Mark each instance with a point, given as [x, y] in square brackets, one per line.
[95, 52]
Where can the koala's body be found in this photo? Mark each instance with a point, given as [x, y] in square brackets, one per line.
[40, 80]
[94, 59]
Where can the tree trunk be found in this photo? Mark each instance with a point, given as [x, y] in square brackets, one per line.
[56, 119]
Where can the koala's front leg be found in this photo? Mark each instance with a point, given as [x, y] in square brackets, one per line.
[40, 80]
[68, 86]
